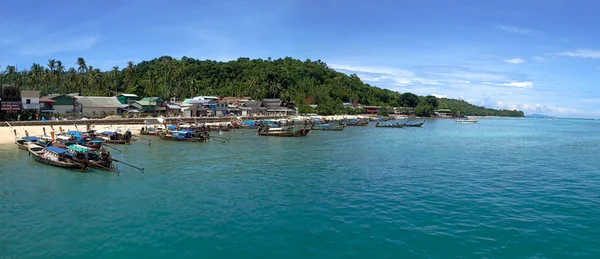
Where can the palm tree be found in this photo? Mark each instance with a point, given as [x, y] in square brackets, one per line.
[129, 74]
[150, 85]
[60, 69]
[114, 82]
[81, 69]
[72, 81]
[11, 75]
[36, 75]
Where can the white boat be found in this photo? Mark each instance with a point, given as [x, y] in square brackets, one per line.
[467, 120]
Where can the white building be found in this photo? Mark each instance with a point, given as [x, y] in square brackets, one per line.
[97, 107]
[30, 100]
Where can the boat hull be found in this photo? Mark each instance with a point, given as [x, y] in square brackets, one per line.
[70, 165]
[331, 128]
[358, 124]
[164, 136]
[391, 125]
[297, 133]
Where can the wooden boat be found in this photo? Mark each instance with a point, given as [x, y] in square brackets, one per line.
[410, 124]
[391, 125]
[114, 137]
[355, 122]
[468, 120]
[328, 127]
[183, 135]
[96, 158]
[56, 157]
[283, 132]
[152, 131]
[23, 144]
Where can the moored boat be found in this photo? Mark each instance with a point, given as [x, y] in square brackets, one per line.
[355, 122]
[183, 135]
[411, 124]
[23, 143]
[96, 158]
[328, 127]
[283, 131]
[468, 120]
[114, 137]
[56, 157]
[390, 125]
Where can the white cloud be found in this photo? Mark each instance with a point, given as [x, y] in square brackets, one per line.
[515, 61]
[539, 58]
[397, 77]
[468, 76]
[439, 95]
[582, 53]
[517, 30]
[70, 44]
[526, 84]
[500, 105]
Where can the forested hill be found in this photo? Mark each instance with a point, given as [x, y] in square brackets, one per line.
[304, 82]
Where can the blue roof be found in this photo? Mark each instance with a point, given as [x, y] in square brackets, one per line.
[31, 138]
[56, 150]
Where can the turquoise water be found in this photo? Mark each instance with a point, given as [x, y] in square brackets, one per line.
[502, 188]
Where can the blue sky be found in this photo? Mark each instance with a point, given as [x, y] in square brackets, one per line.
[537, 56]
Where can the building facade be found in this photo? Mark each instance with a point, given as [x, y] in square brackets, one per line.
[30, 101]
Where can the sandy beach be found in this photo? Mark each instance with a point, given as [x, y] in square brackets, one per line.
[7, 135]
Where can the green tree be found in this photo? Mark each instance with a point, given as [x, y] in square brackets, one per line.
[432, 100]
[424, 110]
[409, 100]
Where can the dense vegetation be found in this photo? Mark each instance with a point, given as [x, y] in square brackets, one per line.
[305, 83]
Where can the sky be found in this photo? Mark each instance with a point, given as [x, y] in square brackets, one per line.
[536, 56]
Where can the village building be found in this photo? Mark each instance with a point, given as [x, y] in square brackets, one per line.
[10, 101]
[149, 104]
[372, 109]
[30, 101]
[63, 103]
[47, 105]
[252, 108]
[97, 107]
[443, 113]
[276, 106]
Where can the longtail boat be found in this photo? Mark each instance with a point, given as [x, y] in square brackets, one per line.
[149, 131]
[410, 124]
[327, 127]
[283, 132]
[183, 135]
[114, 137]
[96, 158]
[355, 122]
[23, 144]
[56, 157]
[390, 125]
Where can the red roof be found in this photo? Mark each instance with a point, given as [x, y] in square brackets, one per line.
[46, 100]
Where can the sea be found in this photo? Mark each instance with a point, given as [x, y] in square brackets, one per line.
[501, 188]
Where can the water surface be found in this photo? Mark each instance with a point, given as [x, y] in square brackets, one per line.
[502, 188]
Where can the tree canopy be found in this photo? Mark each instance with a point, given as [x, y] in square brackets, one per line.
[304, 82]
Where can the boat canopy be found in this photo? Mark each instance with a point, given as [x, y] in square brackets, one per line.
[78, 148]
[57, 150]
[109, 133]
[63, 137]
[33, 139]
